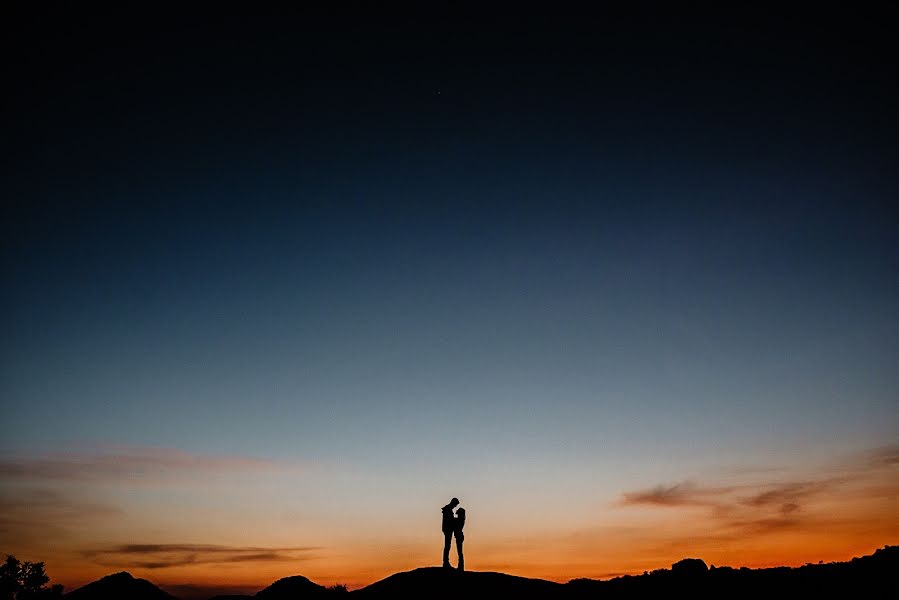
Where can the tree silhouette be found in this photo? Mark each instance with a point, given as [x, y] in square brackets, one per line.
[25, 581]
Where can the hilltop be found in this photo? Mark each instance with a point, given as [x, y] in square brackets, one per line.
[864, 576]
[119, 585]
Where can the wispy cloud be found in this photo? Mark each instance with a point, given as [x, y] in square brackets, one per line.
[161, 556]
[42, 515]
[686, 493]
[788, 495]
[132, 465]
[760, 525]
[785, 495]
[754, 508]
[884, 456]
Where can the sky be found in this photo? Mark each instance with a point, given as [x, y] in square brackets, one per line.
[275, 289]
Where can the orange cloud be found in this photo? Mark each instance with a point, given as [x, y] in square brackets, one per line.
[848, 504]
[36, 515]
[787, 495]
[679, 494]
[161, 556]
[885, 456]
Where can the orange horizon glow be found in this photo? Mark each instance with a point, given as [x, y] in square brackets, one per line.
[756, 519]
[254, 579]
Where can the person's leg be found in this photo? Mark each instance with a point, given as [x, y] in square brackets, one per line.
[459, 540]
[447, 543]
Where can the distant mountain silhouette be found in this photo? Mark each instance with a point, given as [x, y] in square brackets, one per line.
[691, 577]
[293, 587]
[117, 587]
[289, 588]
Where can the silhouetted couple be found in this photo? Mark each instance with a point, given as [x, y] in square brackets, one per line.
[452, 526]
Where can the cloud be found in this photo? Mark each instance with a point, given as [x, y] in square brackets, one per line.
[789, 494]
[788, 507]
[131, 464]
[722, 498]
[754, 509]
[41, 515]
[53, 501]
[161, 556]
[884, 456]
[762, 525]
[785, 496]
[686, 493]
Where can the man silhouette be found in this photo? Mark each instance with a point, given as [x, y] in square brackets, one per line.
[449, 525]
[460, 537]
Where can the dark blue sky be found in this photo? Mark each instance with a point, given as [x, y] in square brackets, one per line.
[528, 238]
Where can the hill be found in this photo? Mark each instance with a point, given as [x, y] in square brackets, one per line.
[291, 588]
[119, 586]
[437, 582]
[861, 577]
[690, 577]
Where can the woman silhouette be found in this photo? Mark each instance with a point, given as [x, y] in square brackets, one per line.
[460, 537]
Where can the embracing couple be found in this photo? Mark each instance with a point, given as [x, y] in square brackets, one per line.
[452, 525]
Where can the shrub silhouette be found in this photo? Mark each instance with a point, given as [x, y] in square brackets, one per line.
[25, 581]
[690, 566]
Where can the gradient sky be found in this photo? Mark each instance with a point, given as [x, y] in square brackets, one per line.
[274, 290]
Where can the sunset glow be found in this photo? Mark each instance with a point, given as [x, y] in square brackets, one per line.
[97, 504]
[276, 288]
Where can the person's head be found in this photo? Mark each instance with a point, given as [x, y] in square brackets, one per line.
[461, 513]
[454, 502]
